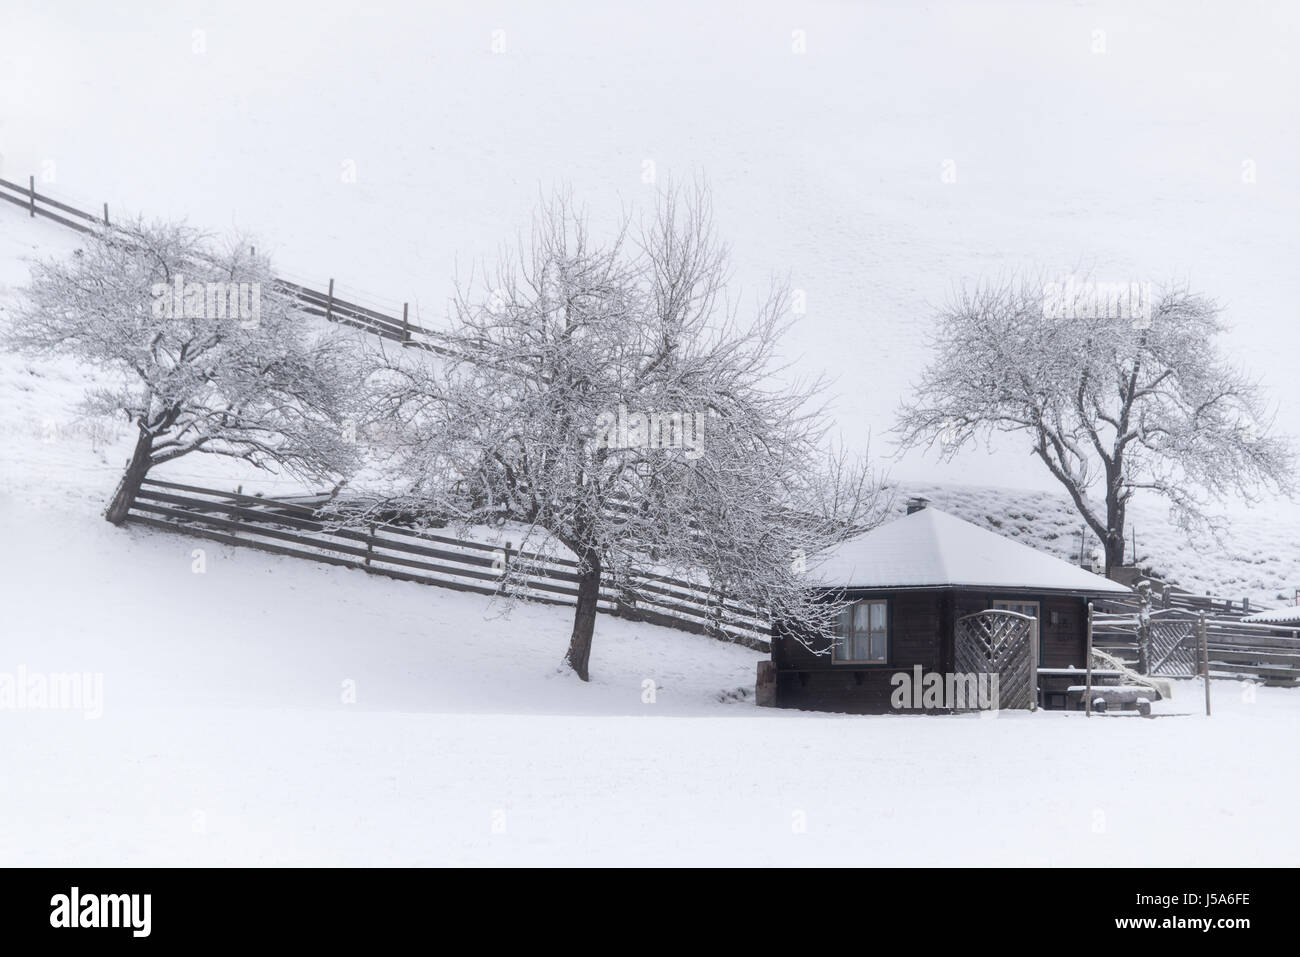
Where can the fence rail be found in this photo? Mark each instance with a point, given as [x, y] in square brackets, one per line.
[313, 301]
[1168, 595]
[315, 532]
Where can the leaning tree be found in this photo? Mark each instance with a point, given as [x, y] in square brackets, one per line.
[603, 396]
[1111, 394]
[201, 352]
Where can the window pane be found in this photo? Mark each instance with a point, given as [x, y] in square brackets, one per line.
[877, 616]
[861, 651]
[843, 629]
[844, 625]
[878, 647]
[860, 619]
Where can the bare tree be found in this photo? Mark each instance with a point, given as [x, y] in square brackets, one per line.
[847, 489]
[209, 355]
[603, 395]
[1109, 390]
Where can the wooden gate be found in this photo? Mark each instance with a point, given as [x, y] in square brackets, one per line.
[1173, 647]
[1002, 643]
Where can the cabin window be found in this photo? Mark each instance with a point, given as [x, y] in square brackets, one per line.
[862, 634]
[1029, 608]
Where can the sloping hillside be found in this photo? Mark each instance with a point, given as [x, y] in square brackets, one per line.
[1256, 556]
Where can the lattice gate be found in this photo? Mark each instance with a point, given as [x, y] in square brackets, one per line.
[1173, 647]
[1004, 643]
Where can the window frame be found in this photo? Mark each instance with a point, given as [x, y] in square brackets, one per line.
[840, 640]
[999, 604]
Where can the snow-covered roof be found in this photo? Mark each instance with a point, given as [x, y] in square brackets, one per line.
[1290, 615]
[930, 547]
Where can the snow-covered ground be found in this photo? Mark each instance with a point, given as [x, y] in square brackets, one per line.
[225, 737]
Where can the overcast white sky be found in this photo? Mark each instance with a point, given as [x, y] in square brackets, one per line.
[826, 164]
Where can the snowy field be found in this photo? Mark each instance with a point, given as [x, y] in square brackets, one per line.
[224, 738]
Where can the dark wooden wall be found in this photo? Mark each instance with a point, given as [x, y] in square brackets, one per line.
[920, 633]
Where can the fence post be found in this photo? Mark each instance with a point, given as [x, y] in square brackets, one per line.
[329, 304]
[505, 567]
[1087, 684]
[370, 544]
[235, 517]
[1144, 627]
[1205, 664]
[31, 196]
[106, 214]
[406, 325]
[625, 603]
[713, 614]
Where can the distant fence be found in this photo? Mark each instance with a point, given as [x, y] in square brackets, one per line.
[1236, 649]
[1167, 595]
[303, 529]
[316, 302]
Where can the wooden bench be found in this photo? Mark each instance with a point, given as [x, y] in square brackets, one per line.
[1124, 697]
[1054, 684]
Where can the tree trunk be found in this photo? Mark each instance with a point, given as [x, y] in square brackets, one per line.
[584, 618]
[1115, 517]
[129, 487]
[1114, 549]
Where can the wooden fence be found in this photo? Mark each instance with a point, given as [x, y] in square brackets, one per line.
[289, 527]
[1167, 595]
[1236, 649]
[316, 302]
[304, 529]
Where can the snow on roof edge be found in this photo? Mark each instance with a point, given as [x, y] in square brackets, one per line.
[1275, 616]
[932, 548]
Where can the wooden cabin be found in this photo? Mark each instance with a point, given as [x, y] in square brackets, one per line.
[910, 580]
